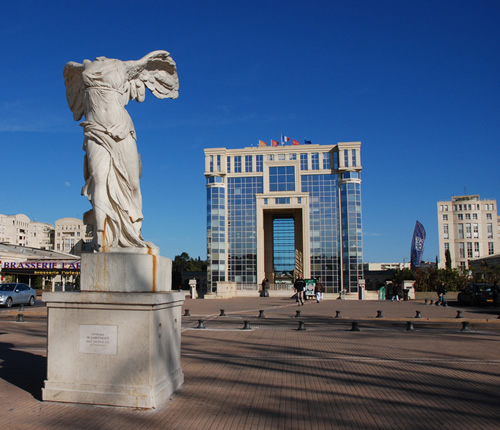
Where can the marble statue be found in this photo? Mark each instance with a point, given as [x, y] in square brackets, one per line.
[100, 90]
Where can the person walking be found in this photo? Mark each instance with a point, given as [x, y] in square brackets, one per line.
[299, 286]
[496, 295]
[318, 290]
[265, 288]
[395, 292]
[441, 291]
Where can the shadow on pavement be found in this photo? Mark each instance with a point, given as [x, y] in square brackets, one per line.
[23, 369]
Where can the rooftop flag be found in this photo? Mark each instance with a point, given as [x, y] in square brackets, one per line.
[274, 142]
[284, 139]
[262, 143]
[417, 245]
[307, 142]
[295, 142]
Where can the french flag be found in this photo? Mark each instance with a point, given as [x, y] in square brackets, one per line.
[285, 139]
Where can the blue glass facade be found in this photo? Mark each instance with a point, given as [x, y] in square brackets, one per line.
[312, 194]
[352, 235]
[216, 230]
[324, 227]
[242, 228]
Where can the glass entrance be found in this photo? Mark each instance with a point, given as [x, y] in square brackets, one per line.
[283, 250]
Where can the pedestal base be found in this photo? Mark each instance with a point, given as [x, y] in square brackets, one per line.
[119, 349]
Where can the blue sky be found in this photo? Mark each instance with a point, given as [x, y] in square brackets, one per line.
[417, 82]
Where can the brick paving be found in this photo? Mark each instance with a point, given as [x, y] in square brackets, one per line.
[274, 376]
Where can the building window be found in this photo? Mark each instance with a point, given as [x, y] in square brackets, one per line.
[446, 246]
[281, 157]
[218, 163]
[461, 249]
[460, 231]
[491, 249]
[211, 163]
[228, 164]
[346, 158]
[476, 249]
[488, 216]
[490, 231]
[467, 216]
[326, 160]
[468, 232]
[237, 164]
[469, 249]
[270, 157]
[445, 232]
[354, 162]
[474, 216]
[248, 163]
[282, 200]
[293, 156]
[282, 178]
[315, 161]
[259, 163]
[460, 217]
[475, 230]
[303, 161]
[445, 217]
[335, 160]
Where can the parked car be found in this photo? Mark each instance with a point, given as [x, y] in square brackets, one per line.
[16, 294]
[476, 295]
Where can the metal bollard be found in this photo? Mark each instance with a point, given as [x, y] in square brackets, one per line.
[301, 325]
[186, 313]
[297, 314]
[465, 326]
[246, 325]
[338, 315]
[459, 314]
[418, 315]
[425, 302]
[20, 318]
[201, 324]
[261, 314]
[355, 326]
[409, 326]
[222, 314]
[379, 314]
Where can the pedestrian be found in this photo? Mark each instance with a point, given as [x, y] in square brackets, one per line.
[395, 292]
[265, 287]
[441, 291]
[318, 290]
[299, 286]
[496, 294]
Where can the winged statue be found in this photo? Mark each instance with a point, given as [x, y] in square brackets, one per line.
[99, 90]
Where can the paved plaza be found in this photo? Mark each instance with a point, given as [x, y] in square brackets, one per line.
[443, 374]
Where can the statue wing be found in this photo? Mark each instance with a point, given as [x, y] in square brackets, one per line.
[74, 88]
[156, 71]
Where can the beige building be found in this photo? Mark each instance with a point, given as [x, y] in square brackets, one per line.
[70, 235]
[468, 228]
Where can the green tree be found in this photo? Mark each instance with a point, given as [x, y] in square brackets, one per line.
[184, 263]
[401, 275]
[447, 256]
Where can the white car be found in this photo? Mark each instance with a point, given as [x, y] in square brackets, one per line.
[16, 294]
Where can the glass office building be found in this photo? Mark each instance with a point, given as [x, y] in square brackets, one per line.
[274, 212]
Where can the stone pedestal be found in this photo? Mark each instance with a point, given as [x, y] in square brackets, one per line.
[114, 348]
[125, 272]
